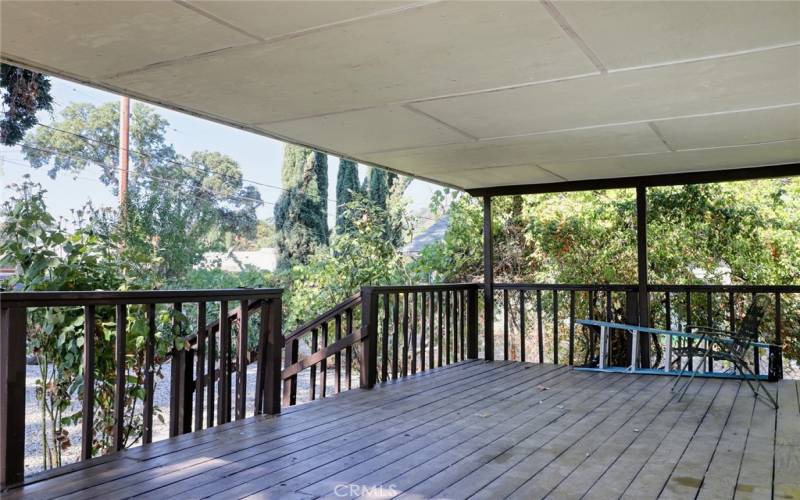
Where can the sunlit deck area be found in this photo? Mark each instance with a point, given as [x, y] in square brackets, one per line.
[476, 429]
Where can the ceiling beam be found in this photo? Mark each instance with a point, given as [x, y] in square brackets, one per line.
[705, 177]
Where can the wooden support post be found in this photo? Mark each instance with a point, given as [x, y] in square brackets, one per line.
[13, 326]
[472, 323]
[87, 424]
[275, 342]
[369, 342]
[641, 263]
[488, 281]
[120, 379]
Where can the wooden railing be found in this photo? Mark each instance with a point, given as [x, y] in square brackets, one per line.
[414, 328]
[383, 333]
[547, 313]
[193, 369]
[344, 338]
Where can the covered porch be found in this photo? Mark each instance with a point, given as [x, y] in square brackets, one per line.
[451, 390]
[474, 429]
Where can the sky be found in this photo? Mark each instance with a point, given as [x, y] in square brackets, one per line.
[259, 157]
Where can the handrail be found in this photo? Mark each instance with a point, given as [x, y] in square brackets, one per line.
[186, 390]
[623, 287]
[328, 315]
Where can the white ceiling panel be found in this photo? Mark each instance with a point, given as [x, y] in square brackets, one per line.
[498, 176]
[354, 132]
[471, 94]
[95, 39]
[432, 50]
[746, 81]
[679, 161]
[628, 34]
[561, 146]
[730, 129]
[277, 18]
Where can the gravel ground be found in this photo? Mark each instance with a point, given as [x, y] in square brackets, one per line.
[33, 414]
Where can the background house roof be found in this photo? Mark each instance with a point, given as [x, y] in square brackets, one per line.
[468, 94]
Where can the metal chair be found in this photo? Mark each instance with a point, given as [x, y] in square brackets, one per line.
[732, 347]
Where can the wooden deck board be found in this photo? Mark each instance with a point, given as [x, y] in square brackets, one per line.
[476, 429]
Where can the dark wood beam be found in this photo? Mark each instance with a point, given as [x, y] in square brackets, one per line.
[727, 175]
[488, 280]
[641, 264]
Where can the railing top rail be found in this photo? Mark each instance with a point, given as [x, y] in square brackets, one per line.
[63, 298]
[423, 288]
[328, 315]
[653, 287]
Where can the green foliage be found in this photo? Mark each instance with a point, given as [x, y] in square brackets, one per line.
[47, 256]
[347, 189]
[359, 258]
[301, 214]
[385, 191]
[178, 207]
[378, 191]
[24, 93]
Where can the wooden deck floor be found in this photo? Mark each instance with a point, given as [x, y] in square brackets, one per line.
[480, 430]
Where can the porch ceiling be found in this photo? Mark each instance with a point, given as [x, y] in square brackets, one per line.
[469, 94]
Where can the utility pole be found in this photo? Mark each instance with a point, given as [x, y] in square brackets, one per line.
[124, 119]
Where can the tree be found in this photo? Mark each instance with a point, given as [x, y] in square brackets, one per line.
[301, 214]
[178, 207]
[24, 93]
[378, 187]
[347, 188]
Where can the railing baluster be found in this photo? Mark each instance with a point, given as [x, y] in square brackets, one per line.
[668, 326]
[13, 335]
[432, 342]
[405, 334]
[555, 326]
[261, 363]
[211, 369]
[224, 410]
[241, 360]
[456, 313]
[323, 365]
[756, 351]
[539, 332]
[337, 358]
[423, 324]
[689, 342]
[87, 427]
[290, 385]
[571, 353]
[312, 381]
[385, 340]
[149, 369]
[590, 302]
[414, 320]
[121, 372]
[440, 330]
[447, 313]
[463, 327]
[348, 353]
[776, 358]
[395, 334]
[200, 381]
[522, 325]
[505, 324]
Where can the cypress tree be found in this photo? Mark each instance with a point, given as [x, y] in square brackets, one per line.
[346, 187]
[301, 213]
[378, 187]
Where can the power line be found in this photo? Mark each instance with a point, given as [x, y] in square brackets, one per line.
[153, 177]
